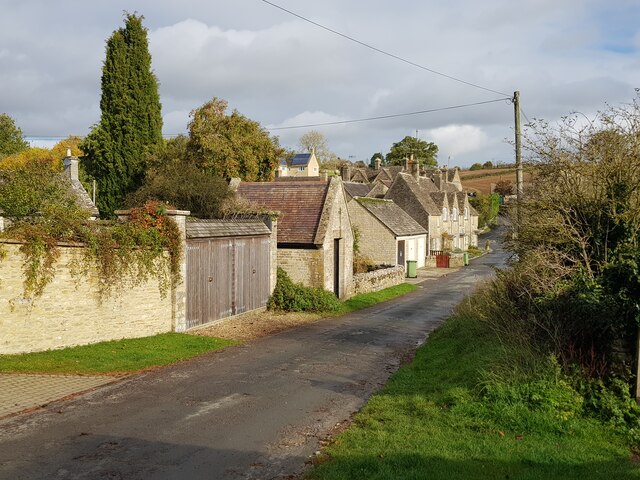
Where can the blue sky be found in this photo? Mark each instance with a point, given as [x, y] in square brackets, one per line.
[563, 56]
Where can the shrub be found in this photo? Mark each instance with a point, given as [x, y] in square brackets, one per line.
[292, 297]
[43, 212]
[185, 186]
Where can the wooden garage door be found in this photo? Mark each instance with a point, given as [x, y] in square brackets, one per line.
[225, 277]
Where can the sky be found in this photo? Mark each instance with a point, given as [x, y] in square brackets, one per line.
[562, 56]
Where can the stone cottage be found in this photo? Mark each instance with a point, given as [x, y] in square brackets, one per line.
[314, 238]
[387, 234]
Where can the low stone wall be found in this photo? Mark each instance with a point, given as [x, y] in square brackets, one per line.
[69, 312]
[377, 280]
[430, 262]
[456, 260]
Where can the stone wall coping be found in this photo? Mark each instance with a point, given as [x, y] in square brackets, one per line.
[379, 272]
[167, 212]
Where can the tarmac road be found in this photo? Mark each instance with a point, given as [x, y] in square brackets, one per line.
[255, 411]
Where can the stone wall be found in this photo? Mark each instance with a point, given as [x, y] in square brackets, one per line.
[335, 224]
[456, 260]
[69, 312]
[303, 265]
[377, 280]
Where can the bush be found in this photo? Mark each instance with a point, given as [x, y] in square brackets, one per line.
[487, 206]
[292, 297]
[185, 186]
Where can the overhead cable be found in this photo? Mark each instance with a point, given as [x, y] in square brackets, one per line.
[382, 117]
[383, 52]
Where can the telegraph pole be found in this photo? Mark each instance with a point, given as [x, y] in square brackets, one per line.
[519, 175]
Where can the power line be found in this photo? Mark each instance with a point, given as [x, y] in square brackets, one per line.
[382, 117]
[450, 77]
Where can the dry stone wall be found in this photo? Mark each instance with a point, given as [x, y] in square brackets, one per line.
[69, 311]
[377, 280]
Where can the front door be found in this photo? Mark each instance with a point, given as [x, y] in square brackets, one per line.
[401, 252]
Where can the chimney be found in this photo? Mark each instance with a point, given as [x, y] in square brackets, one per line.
[445, 174]
[346, 173]
[406, 164]
[70, 165]
[415, 168]
[377, 164]
[324, 175]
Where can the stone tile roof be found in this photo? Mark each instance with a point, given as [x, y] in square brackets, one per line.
[83, 198]
[300, 204]
[414, 198]
[197, 228]
[392, 217]
[378, 190]
[357, 189]
[440, 199]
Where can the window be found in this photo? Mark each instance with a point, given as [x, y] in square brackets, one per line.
[466, 213]
[444, 214]
[301, 169]
[454, 215]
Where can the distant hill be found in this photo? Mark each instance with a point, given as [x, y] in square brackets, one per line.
[482, 180]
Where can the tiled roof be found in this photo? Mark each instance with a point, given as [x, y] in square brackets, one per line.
[225, 228]
[300, 160]
[440, 199]
[357, 189]
[300, 205]
[83, 198]
[378, 190]
[392, 216]
[413, 198]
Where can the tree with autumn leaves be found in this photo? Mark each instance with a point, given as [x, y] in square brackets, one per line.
[231, 145]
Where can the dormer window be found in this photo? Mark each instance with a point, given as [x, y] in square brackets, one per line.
[445, 214]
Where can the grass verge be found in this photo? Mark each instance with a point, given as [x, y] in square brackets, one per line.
[432, 420]
[369, 299]
[114, 357]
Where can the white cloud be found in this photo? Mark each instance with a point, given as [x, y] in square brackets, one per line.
[279, 70]
[454, 140]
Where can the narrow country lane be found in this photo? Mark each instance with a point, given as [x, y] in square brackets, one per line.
[254, 411]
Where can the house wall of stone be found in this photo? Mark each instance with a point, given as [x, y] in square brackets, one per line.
[376, 241]
[273, 248]
[435, 233]
[303, 265]
[69, 312]
[377, 280]
[335, 224]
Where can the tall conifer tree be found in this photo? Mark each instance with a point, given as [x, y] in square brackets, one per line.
[131, 121]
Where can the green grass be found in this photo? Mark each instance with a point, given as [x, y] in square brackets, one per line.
[430, 422]
[115, 357]
[368, 299]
